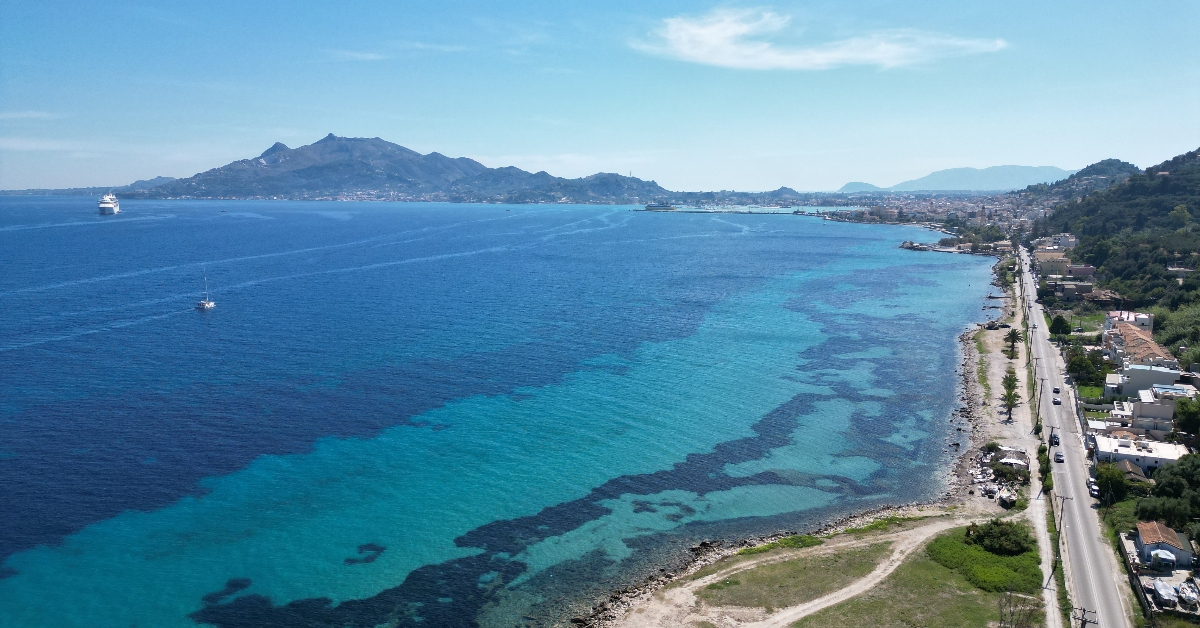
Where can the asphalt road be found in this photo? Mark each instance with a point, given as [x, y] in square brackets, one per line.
[1096, 582]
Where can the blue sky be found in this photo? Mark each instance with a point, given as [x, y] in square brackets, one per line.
[697, 96]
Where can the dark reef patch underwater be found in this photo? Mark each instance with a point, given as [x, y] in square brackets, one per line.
[444, 415]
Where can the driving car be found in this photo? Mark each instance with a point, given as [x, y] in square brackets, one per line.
[1054, 440]
[1058, 401]
[1056, 390]
[1058, 457]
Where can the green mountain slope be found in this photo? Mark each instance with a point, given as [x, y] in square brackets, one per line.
[1143, 237]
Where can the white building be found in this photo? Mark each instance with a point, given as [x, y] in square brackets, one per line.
[1146, 454]
[1137, 377]
[1063, 241]
[1141, 319]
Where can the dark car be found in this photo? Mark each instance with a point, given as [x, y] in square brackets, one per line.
[1056, 390]
[1058, 401]
[1054, 440]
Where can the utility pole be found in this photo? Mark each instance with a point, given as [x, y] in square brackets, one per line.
[1081, 614]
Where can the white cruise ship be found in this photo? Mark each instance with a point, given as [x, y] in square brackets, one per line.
[109, 205]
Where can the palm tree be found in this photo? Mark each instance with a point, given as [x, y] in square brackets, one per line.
[1010, 398]
[1012, 338]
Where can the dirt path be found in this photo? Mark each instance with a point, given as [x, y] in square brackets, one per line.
[679, 606]
[904, 545]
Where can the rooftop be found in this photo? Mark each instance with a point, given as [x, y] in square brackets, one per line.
[1127, 446]
[1154, 532]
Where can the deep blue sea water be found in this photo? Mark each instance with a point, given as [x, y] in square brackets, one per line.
[443, 415]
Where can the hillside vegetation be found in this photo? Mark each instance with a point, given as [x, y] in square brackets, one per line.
[1143, 237]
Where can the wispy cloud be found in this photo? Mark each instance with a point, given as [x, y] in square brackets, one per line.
[28, 115]
[355, 55]
[750, 40]
[392, 50]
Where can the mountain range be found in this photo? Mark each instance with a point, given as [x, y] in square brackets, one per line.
[354, 168]
[995, 178]
[351, 167]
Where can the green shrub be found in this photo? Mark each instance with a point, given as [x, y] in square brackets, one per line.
[1005, 538]
[879, 525]
[799, 541]
[986, 570]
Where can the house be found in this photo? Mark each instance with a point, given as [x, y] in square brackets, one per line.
[1063, 241]
[1041, 255]
[1146, 454]
[1137, 377]
[1055, 266]
[1150, 411]
[1069, 290]
[1152, 535]
[1080, 270]
[1133, 473]
[1140, 319]
[1129, 344]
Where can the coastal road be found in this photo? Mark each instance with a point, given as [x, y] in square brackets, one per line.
[1094, 578]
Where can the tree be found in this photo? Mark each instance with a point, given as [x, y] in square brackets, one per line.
[1187, 416]
[1059, 325]
[1175, 498]
[1003, 538]
[1012, 338]
[1112, 483]
[1010, 397]
[1179, 216]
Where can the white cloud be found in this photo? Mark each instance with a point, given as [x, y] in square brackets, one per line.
[739, 39]
[28, 115]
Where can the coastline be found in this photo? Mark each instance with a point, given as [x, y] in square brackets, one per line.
[609, 612]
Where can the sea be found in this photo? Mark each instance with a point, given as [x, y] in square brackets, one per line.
[424, 414]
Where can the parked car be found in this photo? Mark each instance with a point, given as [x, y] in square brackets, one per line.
[1094, 491]
[1056, 390]
[1058, 401]
[1058, 457]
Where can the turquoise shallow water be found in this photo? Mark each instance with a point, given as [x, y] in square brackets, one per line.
[446, 415]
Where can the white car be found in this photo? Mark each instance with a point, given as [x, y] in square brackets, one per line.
[1058, 401]
[1058, 457]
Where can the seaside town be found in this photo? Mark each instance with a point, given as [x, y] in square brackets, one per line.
[599, 315]
[1080, 398]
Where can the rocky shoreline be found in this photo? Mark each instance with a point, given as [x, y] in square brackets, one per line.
[967, 417]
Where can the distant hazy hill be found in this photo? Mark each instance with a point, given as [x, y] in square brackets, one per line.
[136, 186]
[963, 179]
[371, 167]
[859, 186]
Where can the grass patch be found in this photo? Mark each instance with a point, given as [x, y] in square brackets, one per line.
[1060, 579]
[988, 571]
[879, 525]
[799, 541]
[919, 593]
[796, 581]
[979, 342]
[1094, 392]
[981, 373]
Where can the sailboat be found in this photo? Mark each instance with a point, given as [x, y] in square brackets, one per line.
[206, 303]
